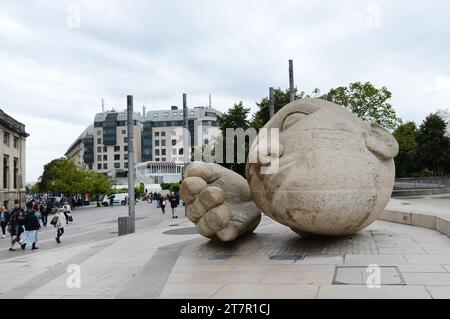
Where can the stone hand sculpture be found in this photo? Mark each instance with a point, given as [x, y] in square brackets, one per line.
[334, 176]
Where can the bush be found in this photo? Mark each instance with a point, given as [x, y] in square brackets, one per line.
[173, 187]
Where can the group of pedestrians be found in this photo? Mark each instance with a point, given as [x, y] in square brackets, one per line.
[164, 201]
[24, 225]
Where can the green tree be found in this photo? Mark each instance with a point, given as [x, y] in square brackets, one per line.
[96, 185]
[366, 102]
[281, 98]
[140, 190]
[405, 162]
[434, 145]
[236, 117]
[62, 175]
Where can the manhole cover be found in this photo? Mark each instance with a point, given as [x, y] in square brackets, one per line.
[287, 257]
[182, 231]
[362, 275]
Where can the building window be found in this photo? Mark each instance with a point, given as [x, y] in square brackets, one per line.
[175, 113]
[155, 114]
[163, 152]
[117, 157]
[105, 149]
[99, 133]
[180, 151]
[156, 152]
[116, 148]
[166, 114]
[125, 156]
[125, 140]
[99, 141]
[99, 158]
[16, 142]
[99, 166]
[174, 142]
[124, 132]
[99, 149]
[6, 138]
[5, 171]
[116, 165]
[163, 133]
[156, 142]
[105, 157]
[126, 165]
[206, 142]
[125, 148]
[163, 142]
[163, 159]
[90, 167]
[105, 166]
[156, 134]
[16, 172]
[157, 159]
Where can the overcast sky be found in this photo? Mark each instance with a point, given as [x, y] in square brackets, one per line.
[59, 58]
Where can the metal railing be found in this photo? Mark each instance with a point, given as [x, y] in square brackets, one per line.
[422, 183]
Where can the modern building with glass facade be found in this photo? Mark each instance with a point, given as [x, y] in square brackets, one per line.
[158, 137]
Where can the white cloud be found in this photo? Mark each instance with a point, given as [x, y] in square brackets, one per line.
[52, 75]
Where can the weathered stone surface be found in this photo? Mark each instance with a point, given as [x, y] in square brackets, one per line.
[219, 202]
[331, 174]
[336, 172]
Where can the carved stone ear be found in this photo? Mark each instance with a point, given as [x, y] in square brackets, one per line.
[381, 142]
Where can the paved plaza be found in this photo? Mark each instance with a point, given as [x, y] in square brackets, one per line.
[170, 260]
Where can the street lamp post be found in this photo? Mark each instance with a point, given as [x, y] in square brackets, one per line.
[291, 81]
[186, 147]
[127, 224]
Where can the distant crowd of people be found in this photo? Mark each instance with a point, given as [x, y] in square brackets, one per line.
[23, 225]
[164, 201]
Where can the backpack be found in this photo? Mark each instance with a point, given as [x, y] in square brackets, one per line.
[54, 221]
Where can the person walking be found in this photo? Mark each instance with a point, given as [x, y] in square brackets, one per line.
[150, 198]
[158, 200]
[32, 226]
[4, 220]
[15, 225]
[59, 224]
[173, 204]
[162, 204]
[43, 210]
[68, 212]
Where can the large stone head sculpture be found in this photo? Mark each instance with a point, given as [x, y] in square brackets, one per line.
[335, 172]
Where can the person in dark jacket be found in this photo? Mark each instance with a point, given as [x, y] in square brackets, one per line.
[173, 204]
[162, 203]
[44, 213]
[15, 225]
[4, 220]
[32, 225]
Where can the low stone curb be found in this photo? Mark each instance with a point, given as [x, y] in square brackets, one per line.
[440, 224]
[420, 192]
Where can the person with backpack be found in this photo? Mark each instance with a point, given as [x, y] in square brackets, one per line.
[15, 225]
[4, 220]
[58, 223]
[32, 226]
